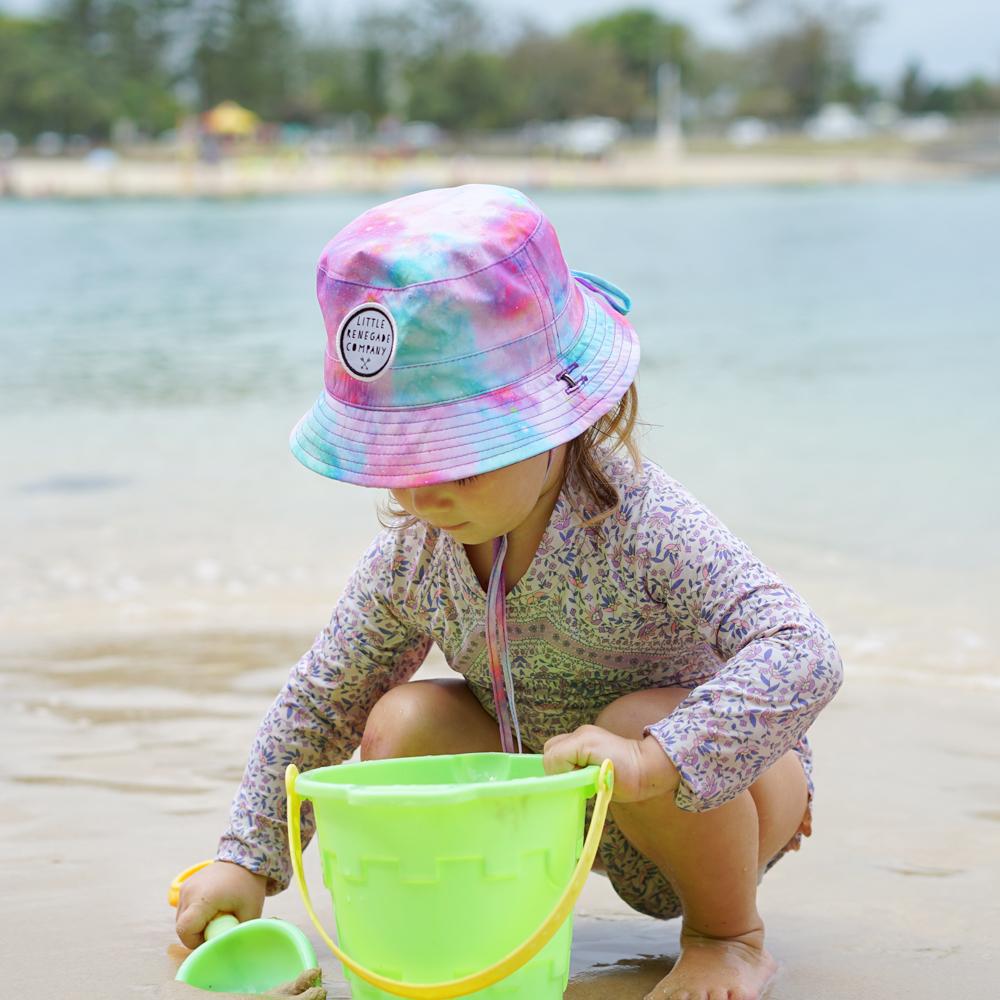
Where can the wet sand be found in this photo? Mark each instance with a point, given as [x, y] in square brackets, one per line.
[120, 755]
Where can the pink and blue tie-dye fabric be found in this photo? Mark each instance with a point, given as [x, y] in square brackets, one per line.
[488, 317]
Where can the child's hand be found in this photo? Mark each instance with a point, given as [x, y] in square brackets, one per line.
[222, 887]
[642, 769]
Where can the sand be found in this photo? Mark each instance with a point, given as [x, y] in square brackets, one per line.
[27, 177]
[120, 756]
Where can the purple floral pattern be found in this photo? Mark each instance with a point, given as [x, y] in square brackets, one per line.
[659, 594]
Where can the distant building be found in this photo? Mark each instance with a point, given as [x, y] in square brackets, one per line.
[748, 131]
[836, 123]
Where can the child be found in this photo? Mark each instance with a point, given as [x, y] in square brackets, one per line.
[491, 390]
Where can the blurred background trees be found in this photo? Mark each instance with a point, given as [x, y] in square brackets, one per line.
[802, 55]
[87, 64]
[89, 67]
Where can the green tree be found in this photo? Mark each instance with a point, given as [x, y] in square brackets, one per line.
[245, 51]
[464, 91]
[642, 40]
[332, 82]
[977, 95]
[43, 86]
[803, 56]
[445, 70]
[86, 64]
[441, 26]
[912, 92]
[552, 78]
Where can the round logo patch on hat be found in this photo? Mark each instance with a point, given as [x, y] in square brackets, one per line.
[366, 341]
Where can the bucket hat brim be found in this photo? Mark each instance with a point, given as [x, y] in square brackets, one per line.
[406, 447]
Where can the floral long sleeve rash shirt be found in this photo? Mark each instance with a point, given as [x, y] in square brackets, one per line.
[659, 594]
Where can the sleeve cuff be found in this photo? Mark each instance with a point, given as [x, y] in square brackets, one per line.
[266, 853]
[690, 753]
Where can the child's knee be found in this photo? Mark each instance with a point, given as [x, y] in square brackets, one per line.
[433, 716]
[396, 724]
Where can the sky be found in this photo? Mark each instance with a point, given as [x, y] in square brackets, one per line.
[952, 38]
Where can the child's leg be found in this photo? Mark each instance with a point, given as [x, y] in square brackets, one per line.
[713, 859]
[428, 717]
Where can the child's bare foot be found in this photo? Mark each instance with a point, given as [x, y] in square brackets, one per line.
[736, 968]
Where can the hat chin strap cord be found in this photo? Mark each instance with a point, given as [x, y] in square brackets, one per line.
[497, 647]
[499, 654]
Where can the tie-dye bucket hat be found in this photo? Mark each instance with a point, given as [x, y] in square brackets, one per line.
[458, 342]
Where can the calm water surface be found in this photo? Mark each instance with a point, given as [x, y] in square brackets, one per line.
[819, 366]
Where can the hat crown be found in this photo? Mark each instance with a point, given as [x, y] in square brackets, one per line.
[476, 284]
[432, 236]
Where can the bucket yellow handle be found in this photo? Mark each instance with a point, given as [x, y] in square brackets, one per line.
[512, 962]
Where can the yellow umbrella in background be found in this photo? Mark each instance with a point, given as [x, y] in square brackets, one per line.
[230, 118]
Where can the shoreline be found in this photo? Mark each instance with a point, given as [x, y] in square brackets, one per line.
[250, 176]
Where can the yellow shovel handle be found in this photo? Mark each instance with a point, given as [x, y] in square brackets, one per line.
[494, 973]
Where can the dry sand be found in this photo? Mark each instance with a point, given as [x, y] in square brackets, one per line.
[262, 175]
[119, 759]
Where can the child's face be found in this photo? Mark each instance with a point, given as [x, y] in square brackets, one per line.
[489, 505]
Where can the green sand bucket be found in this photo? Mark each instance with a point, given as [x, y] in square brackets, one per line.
[451, 876]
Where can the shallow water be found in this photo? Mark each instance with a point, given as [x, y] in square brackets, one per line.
[818, 367]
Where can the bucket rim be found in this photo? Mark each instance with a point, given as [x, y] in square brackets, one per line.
[309, 784]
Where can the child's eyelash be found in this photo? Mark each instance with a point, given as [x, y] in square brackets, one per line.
[468, 479]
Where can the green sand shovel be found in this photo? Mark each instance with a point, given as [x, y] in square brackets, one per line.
[250, 957]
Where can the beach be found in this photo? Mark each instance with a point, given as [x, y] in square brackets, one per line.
[114, 781]
[818, 368]
[292, 173]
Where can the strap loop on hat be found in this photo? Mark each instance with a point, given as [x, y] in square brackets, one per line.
[614, 296]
